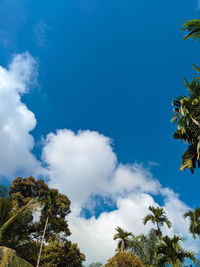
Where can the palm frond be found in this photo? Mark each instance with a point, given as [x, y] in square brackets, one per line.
[193, 29]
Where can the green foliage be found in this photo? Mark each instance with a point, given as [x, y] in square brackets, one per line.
[12, 221]
[194, 218]
[158, 217]
[20, 232]
[145, 247]
[123, 259]
[193, 29]
[123, 237]
[62, 254]
[171, 253]
[186, 115]
[51, 203]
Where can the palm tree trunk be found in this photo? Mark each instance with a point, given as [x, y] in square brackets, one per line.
[159, 233]
[42, 242]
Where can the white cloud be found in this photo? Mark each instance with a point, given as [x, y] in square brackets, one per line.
[79, 164]
[95, 236]
[16, 121]
[84, 164]
[133, 177]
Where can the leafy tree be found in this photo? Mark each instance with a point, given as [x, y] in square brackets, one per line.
[123, 237]
[145, 247]
[62, 254]
[52, 225]
[158, 217]
[171, 252]
[123, 259]
[52, 203]
[194, 218]
[50, 209]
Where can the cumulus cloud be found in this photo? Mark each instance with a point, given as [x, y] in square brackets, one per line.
[84, 164]
[16, 120]
[95, 235]
[79, 164]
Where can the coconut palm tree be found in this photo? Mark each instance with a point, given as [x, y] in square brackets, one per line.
[157, 217]
[123, 237]
[171, 252]
[145, 247]
[9, 214]
[194, 219]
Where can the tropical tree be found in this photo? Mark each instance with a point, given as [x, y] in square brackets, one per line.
[186, 113]
[62, 254]
[158, 217]
[193, 29]
[194, 219]
[123, 259]
[123, 237]
[5, 206]
[171, 252]
[145, 247]
[50, 209]
[11, 216]
[50, 229]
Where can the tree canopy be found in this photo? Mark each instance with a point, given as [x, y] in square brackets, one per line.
[157, 217]
[123, 259]
[27, 197]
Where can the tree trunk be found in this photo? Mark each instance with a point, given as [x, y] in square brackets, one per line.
[42, 242]
[159, 233]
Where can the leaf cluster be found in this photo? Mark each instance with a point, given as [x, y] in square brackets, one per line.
[186, 115]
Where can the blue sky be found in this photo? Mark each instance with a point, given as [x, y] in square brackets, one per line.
[106, 66]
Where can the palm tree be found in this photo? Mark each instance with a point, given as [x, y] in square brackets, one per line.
[123, 237]
[145, 247]
[187, 110]
[157, 217]
[50, 208]
[171, 253]
[194, 218]
[9, 214]
[187, 117]
[193, 29]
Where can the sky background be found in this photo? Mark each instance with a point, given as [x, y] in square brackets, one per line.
[111, 69]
